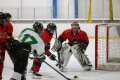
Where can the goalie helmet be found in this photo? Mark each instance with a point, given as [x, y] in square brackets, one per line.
[51, 26]
[75, 27]
[38, 27]
[8, 15]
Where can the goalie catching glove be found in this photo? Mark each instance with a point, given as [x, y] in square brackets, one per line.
[57, 45]
[52, 56]
[82, 46]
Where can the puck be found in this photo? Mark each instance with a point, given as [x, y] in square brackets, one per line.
[75, 76]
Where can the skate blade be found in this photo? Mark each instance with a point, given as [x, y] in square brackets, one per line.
[36, 77]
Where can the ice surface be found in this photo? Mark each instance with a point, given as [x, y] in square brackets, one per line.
[73, 68]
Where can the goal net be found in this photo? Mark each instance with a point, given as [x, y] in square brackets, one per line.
[107, 47]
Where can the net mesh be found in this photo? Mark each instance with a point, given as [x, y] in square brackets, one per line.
[108, 47]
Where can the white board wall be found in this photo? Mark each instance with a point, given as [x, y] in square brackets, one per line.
[88, 28]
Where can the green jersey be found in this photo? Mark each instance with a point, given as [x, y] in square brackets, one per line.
[33, 38]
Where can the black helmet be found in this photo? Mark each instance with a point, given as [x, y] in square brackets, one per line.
[51, 26]
[8, 15]
[2, 16]
[38, 27]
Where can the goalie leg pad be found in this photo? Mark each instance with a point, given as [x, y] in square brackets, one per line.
[65, 54]
[81, 57]
[85, 63]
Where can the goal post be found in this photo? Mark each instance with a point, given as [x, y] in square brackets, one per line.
[107, 47]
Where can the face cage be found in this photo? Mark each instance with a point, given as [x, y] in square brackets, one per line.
[2, 21]
[52, 33]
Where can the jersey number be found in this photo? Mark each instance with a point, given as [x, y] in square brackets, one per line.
[26, 36]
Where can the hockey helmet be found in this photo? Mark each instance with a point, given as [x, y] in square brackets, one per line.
[8, 15]
[2, 17]
[75, 27]
[52, 26]
[38, 27]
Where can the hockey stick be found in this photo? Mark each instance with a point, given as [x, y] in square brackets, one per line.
[75, 77]
[58, 53]
[58, 62]
[32, 58]
[61, 67]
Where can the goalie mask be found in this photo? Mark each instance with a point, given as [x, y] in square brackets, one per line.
[75, 27]
[51, 27]
[38, 27]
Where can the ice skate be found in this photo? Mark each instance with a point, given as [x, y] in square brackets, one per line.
[36, 75]
[23, 77]
[12, 79]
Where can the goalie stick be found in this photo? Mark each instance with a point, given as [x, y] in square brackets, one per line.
[61, 67]
[75, 77]
[58, 53]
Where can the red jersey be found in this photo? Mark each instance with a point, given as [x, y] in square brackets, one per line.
[46, 38]
[2, 37]
[9, 29]
[73, 39]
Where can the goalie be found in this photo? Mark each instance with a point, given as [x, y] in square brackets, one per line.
[78, 42]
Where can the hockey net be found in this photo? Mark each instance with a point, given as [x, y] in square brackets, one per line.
[107, 47]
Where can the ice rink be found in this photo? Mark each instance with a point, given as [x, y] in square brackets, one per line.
[73, 68]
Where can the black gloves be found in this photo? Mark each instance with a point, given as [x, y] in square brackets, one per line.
[7, 46]
[83, 45]
[52, 56]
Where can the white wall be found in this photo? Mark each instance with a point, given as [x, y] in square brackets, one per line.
[43, 8]
[88, 28]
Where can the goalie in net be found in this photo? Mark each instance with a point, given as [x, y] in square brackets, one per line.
[78, 42]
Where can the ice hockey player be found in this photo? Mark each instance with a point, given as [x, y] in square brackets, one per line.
[77, 44]
[29, 42]
[46, 35]
[3, 42]
[31, 37]
[8, 26]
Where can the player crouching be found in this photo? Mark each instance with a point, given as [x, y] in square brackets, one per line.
[78, 42]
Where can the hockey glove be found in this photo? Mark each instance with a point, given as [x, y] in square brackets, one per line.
[52, 56]
[7, 46]
[57, 45]
[83, 45]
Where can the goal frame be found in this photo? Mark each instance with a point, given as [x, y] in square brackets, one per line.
[96, 45]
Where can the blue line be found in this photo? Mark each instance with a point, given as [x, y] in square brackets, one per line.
[54, 8]
[76, 8]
